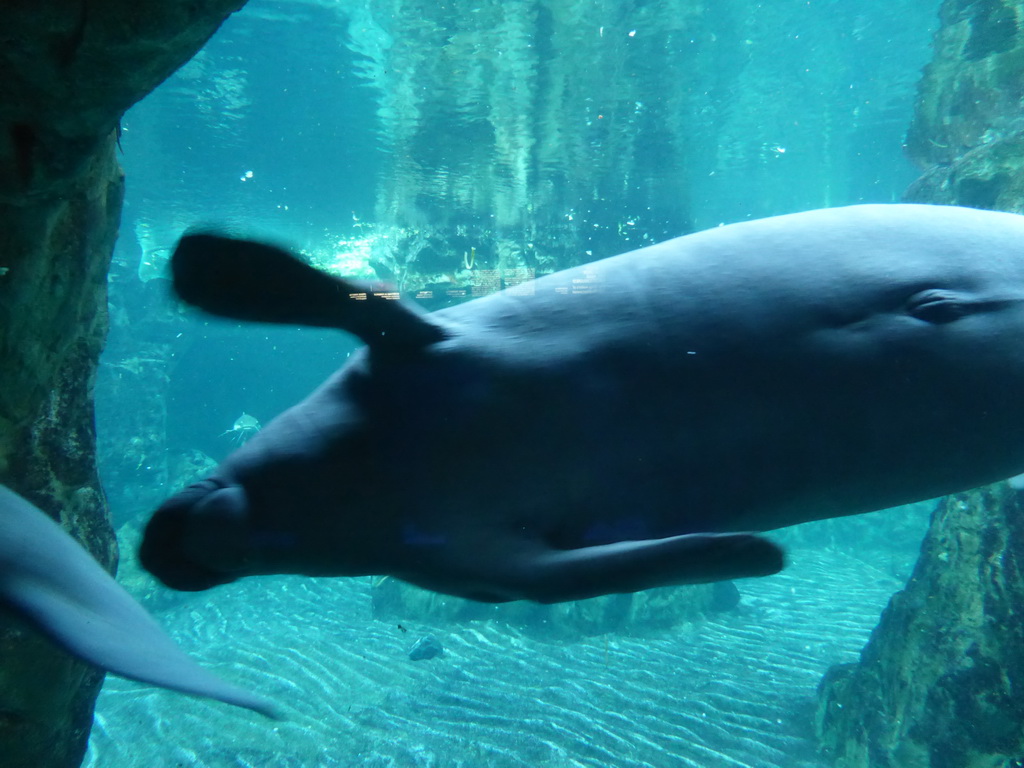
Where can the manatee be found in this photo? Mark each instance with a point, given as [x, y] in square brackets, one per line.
[47, 578]
[634, 422]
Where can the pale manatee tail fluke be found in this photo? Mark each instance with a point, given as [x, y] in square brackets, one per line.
[48, 578]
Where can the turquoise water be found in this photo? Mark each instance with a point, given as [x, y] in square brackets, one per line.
[351, 129]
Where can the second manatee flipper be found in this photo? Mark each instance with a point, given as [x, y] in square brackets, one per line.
[247, 280]
[48, 578]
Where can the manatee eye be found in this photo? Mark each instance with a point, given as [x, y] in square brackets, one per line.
[937, 306]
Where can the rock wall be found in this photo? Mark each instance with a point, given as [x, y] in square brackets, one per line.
[938, 685]
[68, 71]
[968, 129]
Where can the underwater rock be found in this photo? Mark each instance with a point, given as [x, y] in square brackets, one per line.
[966, 131]
[725, 596]
[990, 176]
[427, 647]
[938, 683]
[63, 87]
[52, 321]
[969, 95]
[132, 449]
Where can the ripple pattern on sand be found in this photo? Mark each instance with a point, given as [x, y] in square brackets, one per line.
[734, 692]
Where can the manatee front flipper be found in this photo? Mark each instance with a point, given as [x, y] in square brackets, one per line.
[48, 578]
[246, 280]
[553, 575]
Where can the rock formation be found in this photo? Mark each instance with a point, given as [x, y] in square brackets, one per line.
[938, 683]
[967, 134]
[68, 71]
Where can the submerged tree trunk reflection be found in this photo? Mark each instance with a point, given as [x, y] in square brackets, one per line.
[524, 133]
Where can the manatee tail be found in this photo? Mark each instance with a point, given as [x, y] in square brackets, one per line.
[557, 575]
[246, 280]
[48, 578]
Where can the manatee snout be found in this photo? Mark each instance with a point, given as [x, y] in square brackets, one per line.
[193, 540]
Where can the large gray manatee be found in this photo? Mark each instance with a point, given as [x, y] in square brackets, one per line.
[618, 425]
